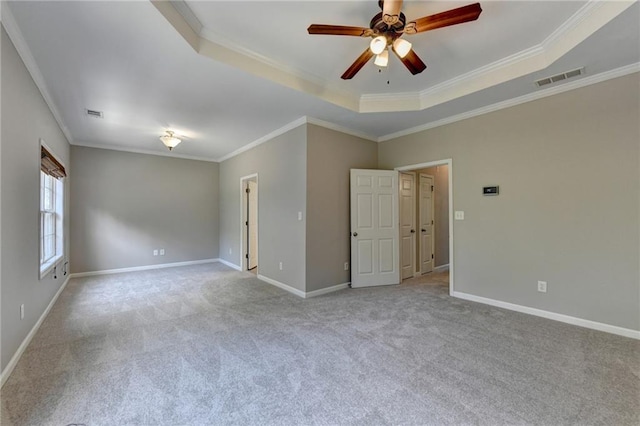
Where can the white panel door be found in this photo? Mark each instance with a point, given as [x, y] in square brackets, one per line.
[374, 228]
[253, 224]
[426, 223]
[407, 224]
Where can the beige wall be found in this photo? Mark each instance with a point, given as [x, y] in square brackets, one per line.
[441, 212]
[25, 120]
[125, 205]
[554, 220]
[282, 180]
[330, 156]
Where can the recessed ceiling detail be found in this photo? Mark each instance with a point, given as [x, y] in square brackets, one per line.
[586, 21]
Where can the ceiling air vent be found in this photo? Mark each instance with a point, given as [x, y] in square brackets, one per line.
[559, 77]
[95, 114]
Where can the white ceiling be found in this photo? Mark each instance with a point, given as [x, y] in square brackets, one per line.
[132, 60]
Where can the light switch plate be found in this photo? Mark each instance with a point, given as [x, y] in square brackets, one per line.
[459, 215]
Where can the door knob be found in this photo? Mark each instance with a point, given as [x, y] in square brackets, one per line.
[355, 234]
[413, 231]
[424, 230]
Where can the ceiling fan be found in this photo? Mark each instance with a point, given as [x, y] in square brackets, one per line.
[386, 29]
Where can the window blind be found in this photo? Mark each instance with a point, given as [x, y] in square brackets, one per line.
[51, 166]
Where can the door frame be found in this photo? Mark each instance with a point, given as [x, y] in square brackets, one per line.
[449, 163]
[244, 218]
[416, 270]
[433, 229]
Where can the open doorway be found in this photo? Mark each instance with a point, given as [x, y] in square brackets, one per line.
[249, 236]
[428, 250]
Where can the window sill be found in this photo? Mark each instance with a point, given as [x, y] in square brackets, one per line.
[46, 268]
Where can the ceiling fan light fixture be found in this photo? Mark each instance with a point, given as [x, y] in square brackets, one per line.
[378, 45]
[402, 47]
[382, 59]
[169, 140]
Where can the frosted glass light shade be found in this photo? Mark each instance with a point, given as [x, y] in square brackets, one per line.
[378, 44]
[169, 140]
[382, 59]
[401, 47]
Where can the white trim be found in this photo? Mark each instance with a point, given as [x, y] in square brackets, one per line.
[13, 30]
[143, 268]
[229, 264]
[441, 268]
[449, 163]
[327, 290]
[283, 286]
[171, 154]
[626, 332]
[185, 11]
[341, 129]
[266, 138]
[585, 22]
[25, 343]
[577, 84]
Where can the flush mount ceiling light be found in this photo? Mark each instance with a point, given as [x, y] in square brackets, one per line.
[169, 140]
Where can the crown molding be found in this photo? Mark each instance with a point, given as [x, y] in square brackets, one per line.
[212, 45]
[144, 151]
[583, 82]
[341, 129]
[186, 12]
[13, 31]
[292, 125]
[588, 19]
[266, 138]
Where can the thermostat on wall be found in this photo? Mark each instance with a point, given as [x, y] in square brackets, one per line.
[491, 190]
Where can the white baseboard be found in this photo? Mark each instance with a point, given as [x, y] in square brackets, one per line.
[23, 346]
[300, 293]
[626, 332]
[331, 289]
[143, 268]
[283, 286]
[229, 264]
[441, 268]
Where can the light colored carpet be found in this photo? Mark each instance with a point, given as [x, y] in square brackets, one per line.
[207, 345]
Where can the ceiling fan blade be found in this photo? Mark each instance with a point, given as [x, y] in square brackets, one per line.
[358, 64]
[339, 30]
[444, 19]
[413, 62]
[391, 11]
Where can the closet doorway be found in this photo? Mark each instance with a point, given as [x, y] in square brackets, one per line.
[249, 238]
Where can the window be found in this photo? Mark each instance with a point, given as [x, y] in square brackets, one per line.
[51, 211]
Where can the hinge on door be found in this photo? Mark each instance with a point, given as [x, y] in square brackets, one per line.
[431, 188]
[247, 190]
[246, 256]
[432, 222]
[432, 255]
[246, 223]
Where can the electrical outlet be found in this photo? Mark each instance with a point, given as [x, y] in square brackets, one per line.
[230, 251]
[280, 266]
[22, 311]
[346, 266]
[542, 286]
[459, 215]
[155, 252]
[299, 215]
[161, 252]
